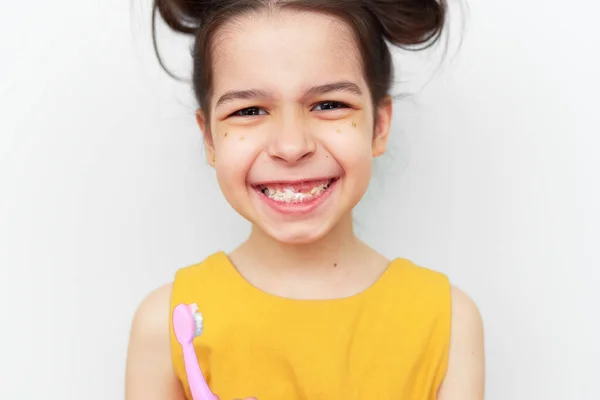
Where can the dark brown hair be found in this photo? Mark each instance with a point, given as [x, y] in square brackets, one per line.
[409, 24]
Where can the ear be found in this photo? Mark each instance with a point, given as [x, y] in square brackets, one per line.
[382, 126]
[209, 146]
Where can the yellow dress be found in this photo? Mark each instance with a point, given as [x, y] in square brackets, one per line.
[390, 341]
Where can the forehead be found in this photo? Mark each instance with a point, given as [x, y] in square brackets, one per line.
[284, 52]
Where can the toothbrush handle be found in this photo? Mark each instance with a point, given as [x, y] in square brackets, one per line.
[198, 386]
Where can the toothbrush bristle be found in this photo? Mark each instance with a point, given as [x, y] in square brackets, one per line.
[198, 323]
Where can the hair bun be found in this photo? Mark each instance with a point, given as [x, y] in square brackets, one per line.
[409, 22]
[183, 16]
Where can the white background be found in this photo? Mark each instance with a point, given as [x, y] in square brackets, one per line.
[105, 190]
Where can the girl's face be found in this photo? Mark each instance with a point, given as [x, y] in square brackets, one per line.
[291, 133]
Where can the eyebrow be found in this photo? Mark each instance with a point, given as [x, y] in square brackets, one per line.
[242, 95]
[340, 86]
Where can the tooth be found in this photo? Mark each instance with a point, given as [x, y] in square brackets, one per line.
[290, 194]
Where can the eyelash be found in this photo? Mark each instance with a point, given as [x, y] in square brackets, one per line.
[339, 105]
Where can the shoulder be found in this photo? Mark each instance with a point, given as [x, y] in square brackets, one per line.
[152, 315]
[420, 278]
[466, 365]
[149, 371]
[465, 313]
[203, 270]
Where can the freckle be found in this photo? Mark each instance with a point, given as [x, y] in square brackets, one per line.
[242, 138]
[353, 124]
[338, 130]
[225, 134]
[335, 265]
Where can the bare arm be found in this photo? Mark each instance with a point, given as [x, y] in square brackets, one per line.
[149, 371]
[465, 378]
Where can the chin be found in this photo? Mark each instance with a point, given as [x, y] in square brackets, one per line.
[296, 233]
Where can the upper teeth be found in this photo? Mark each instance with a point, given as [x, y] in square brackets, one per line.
[290, 194]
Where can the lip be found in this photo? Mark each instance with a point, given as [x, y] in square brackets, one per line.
[296, 208]
[294, 181]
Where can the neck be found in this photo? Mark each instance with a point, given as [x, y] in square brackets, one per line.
[338, 247]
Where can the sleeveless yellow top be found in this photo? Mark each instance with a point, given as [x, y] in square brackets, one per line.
[390, 341]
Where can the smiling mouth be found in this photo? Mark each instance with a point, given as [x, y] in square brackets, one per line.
[298, 192]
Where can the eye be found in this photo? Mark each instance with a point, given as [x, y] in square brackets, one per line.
[329, 105]
[249, 112]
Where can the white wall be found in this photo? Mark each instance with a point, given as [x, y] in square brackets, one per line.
[105, 191]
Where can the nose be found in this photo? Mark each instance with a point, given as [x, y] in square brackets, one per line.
[292, 143]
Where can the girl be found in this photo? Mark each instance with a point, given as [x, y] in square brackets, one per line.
[294, 105]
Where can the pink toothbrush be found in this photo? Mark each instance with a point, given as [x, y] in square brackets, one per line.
[187, 324]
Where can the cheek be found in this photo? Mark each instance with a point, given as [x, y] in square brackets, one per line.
[350, 142]
[357, 165]
[353, 153]
[234, 154]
